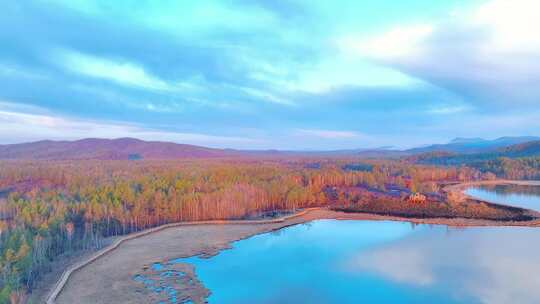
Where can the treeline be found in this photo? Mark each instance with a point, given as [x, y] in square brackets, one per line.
[52, 208]
[514, 162]
[519, 168]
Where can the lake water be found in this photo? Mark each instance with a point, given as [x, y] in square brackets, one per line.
[331, 261]
[520, 196]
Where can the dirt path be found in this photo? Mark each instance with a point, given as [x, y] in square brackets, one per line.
[109, 278]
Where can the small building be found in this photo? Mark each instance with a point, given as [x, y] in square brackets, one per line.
[416, 198]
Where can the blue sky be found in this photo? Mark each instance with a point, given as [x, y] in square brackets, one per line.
[284, 74]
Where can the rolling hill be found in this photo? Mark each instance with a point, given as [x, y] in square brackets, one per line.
[521, 150]
[107, 149]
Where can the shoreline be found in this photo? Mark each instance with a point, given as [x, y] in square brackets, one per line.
[207, 238]
[66, 274]
[462, 187]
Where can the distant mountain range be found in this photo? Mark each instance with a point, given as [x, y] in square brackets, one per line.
[474, 145]
[131, 148]
[527, 149]
[458, 145]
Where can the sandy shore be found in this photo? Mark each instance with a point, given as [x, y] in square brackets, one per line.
[109, 279]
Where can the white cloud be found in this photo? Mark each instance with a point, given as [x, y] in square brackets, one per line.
[513, 24]
[401, 41]
[266, 96]
[488, 54]
[326, 74]
[446, 110]
[329, 134]
[344, 71]
[22, 124]
[506, 24]
[122, 72]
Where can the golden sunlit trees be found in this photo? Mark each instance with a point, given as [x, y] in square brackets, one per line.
[58, 207]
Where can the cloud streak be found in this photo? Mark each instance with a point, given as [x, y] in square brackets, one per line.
[330, 134]
[125, 73]
[15, 125]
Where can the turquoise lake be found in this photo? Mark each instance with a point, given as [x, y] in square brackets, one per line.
[520, 196]
[332, 261]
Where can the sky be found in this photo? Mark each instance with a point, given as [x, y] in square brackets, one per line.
[281, 74]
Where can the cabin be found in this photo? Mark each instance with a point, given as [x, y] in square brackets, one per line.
[416, 198]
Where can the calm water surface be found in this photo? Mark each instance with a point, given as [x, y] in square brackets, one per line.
[520, 196]
[330, 261]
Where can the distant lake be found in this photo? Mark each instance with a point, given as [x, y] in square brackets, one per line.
[514, 195]
[332, 261]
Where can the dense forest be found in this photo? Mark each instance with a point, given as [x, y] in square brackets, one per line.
[521, 161]
[512, 168]
[49, 208]
[518, 168]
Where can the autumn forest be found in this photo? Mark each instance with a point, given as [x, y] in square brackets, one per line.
[50, 209]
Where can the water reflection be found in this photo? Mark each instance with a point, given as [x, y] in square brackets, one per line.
[514, 195]
[485, 265]
[332, 261]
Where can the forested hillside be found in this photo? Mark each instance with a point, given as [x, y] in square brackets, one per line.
[521, 161]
